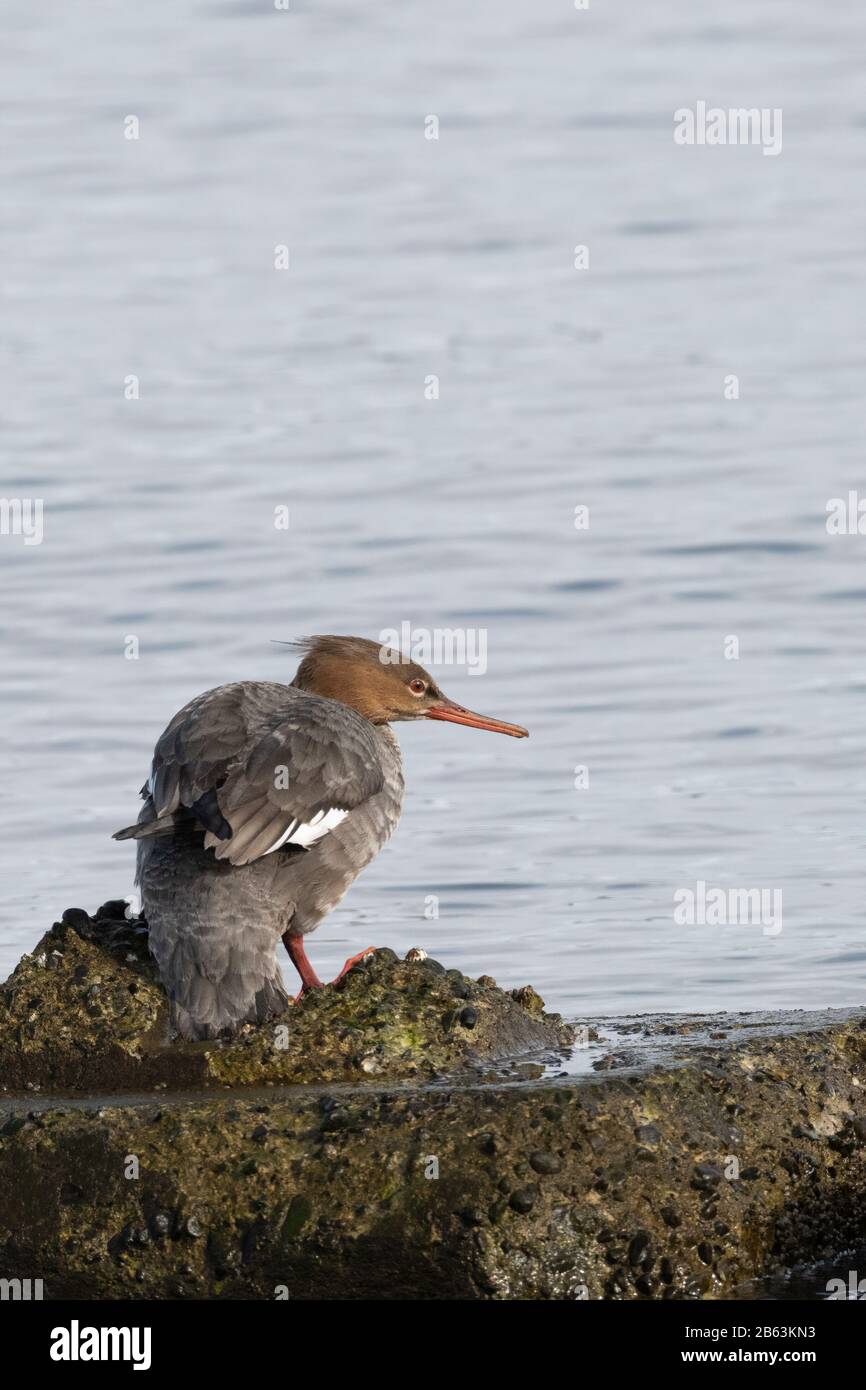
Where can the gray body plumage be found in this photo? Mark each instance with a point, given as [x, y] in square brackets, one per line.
[240, 770]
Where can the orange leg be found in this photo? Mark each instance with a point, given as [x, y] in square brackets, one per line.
[294, 944]
[298, 956]
[353, 960]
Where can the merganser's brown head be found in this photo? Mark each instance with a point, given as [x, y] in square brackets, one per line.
[381, 684]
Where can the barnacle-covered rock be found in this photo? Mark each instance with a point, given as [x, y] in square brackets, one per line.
[85, 1010]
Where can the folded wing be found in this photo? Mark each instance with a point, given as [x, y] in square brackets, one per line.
[261, 767]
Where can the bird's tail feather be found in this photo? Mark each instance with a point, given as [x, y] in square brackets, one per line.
[209, 1008]
[160, 826]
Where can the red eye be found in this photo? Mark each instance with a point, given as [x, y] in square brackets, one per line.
[417, 686]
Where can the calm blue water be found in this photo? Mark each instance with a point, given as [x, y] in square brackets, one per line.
[603, 387]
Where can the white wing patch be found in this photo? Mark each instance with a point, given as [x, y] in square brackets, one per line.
[307, 833]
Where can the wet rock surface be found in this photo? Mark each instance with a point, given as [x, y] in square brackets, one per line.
[85, 1011]
[682, 1179]
[681, 1183]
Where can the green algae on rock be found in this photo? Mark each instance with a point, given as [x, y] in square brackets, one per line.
[86, 1011]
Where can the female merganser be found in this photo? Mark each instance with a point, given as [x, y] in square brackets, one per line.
[264, 803]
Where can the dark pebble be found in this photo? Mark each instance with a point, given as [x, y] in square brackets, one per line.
[706, 1176]
[433, 967]
[468, 1016]
[638, 1247]
[647, 1134]
[645, 1285]
[76, 918]
[523, 1200]
[842, 1143]
[113, 911]
[260, 1134]
[705, 1252]
[545, 1162]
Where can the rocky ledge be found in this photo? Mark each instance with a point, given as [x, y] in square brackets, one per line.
[671, 1171]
